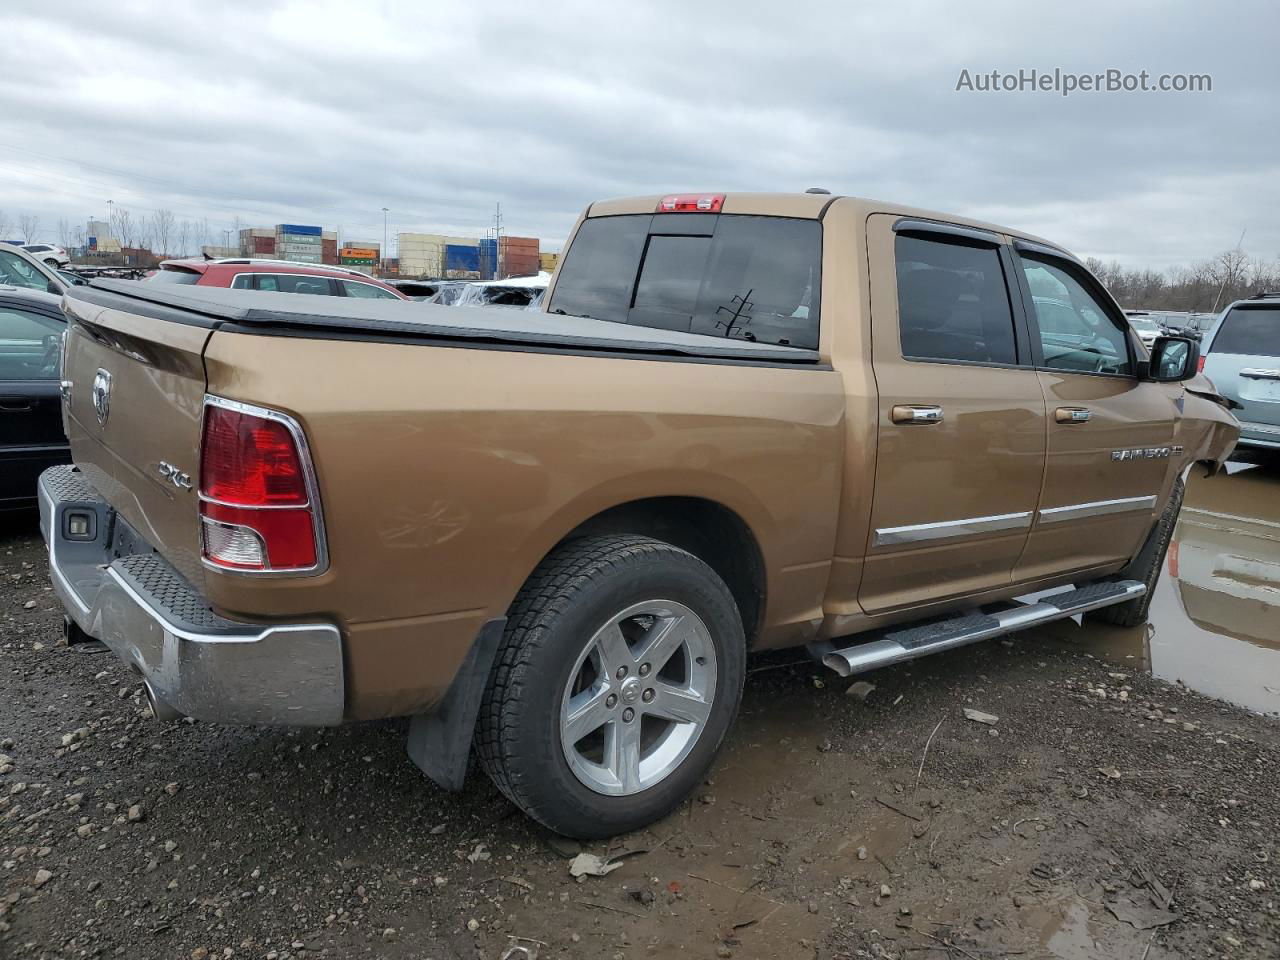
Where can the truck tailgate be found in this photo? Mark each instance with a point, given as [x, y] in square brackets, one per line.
[136, 393]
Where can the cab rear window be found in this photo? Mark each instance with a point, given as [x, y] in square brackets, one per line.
[1251, 331]
[742, 277]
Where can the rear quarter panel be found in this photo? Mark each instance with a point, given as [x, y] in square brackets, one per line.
[447, 474]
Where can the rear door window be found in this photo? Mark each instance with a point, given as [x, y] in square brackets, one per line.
[297, 283]
[28, 345]
[17, 272]
[953, 303]
[1251, 331]
[743, 277]
[175, 276]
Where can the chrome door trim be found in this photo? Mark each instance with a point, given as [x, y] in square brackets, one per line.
[1098, 508]
[946, 529]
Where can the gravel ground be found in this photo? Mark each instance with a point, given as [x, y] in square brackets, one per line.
[1103, 814]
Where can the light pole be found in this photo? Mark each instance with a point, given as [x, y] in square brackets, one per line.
[383, 271]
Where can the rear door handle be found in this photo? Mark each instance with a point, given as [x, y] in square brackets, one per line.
[1072, 415]
[15, 406]
[1255, 374]
[915, 413]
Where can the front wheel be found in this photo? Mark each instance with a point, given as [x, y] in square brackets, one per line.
[619, 673]
[1145, 567]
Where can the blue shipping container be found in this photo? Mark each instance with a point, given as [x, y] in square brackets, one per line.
[298, 229]
[458, 257]
[488, 258]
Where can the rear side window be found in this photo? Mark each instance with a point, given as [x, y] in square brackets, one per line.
[295, 283]
[17, 272]
[367, 291]
[175, 276]
[1252, 331]
[742, 277]
[28, 345]
[953, 303]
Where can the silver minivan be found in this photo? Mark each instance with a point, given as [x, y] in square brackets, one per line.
[1241, 355]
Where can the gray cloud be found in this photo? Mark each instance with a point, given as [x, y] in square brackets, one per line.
[326, 112]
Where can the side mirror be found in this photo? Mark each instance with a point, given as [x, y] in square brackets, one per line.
[1173, 359]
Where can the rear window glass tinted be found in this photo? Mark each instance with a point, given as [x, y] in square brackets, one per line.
[750, 278]
[1252, 331]
[175, 276]
[952, 302]
[599, 272]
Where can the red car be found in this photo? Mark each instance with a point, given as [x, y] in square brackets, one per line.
[281, 276]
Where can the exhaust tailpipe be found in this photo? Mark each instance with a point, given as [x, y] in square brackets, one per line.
[160, 708]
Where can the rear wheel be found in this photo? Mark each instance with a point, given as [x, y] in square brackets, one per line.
[1145, 567]
[618, 676]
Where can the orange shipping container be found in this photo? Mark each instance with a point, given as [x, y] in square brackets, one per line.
[359, 253]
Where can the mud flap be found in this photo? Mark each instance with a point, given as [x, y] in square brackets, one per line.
[440, 741]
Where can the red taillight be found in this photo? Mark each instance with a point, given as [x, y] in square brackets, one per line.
[1200, 364]
[256, 505]
[691, 203]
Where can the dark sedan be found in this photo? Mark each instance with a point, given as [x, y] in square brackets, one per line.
[31, 437]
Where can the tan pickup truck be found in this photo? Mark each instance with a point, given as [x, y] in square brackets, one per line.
[740, 422]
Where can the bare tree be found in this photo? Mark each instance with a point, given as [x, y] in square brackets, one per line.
[162, 222]
[29, 225]
[78, 237]
[123, 227]
[64, 233]
[184, 237]
[4, 225]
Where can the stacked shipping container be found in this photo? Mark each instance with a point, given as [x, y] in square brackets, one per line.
[518, 257]
[300, 243]
[258, 242]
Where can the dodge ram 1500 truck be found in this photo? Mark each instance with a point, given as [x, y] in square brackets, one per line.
[740, 422]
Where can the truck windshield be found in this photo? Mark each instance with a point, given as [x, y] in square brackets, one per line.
[1251, 331]
[742, 277]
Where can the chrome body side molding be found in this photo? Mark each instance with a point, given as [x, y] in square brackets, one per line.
[1098, 508]
[952, 528]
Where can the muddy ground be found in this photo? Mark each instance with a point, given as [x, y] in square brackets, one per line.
[1106, 813]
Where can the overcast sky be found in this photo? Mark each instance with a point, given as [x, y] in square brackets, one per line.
[320, 112]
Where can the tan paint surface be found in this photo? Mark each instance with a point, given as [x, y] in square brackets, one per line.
[447, 474]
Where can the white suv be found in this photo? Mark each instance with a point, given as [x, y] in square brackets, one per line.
[55, 257]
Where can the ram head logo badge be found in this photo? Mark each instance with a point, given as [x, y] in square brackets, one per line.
[102, 395]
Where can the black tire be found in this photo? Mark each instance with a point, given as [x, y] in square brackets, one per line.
[1145, 567]
[570, 595]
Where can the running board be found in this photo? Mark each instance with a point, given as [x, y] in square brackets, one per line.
[910, 642]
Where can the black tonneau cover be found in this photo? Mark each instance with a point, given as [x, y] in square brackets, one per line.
[250, 308]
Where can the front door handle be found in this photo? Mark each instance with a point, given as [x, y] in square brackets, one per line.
[1072, 415]
[15, 406]
[916, 413]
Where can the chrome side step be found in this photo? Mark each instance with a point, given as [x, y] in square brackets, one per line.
[911, 641]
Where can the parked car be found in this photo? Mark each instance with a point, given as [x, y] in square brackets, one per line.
[31, 436]
[1146, 326]
[20, 269]
[48, 254]
[1242, 358]
[511, 292]
[743, 422]
[419, 290]
[277, 276]
[449, 292]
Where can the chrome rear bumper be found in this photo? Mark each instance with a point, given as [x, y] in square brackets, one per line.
[202, 664]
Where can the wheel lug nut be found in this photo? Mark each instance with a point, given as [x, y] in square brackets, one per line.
[647, 696]
[611, 701]
[644, 669]
[628, 715]
[622, 673]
